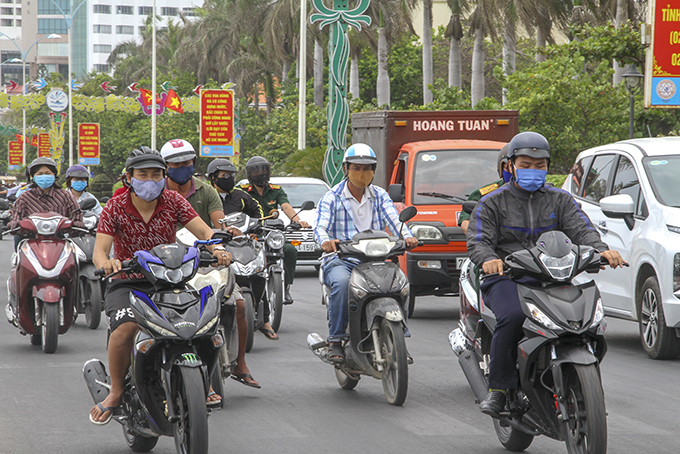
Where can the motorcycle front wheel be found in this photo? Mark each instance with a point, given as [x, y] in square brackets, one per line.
[138, 443]
[585, 431]
[250, 320]
[191, 431]
[275, 298]
[50, 327]
[93, 310]
[511, 438]
[395, 369]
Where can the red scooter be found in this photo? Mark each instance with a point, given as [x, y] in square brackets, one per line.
[43, 284]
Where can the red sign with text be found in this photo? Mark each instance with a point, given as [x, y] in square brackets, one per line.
[44, 145]
[217, 123]
[662, 87]
[16, 155]
[88, 144]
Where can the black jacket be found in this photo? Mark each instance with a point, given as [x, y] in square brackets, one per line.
[510, 219]
[238, 201]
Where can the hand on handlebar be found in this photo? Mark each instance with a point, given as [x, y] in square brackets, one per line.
[112, 266]
[223, 257]
[304, 224]
[330, 246]
[494, 266]
[411, 242]
[614, 259]
[234, 231]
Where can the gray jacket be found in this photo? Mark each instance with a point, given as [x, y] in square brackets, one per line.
[510, 219]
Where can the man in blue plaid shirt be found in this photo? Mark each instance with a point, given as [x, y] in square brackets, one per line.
[352, 206]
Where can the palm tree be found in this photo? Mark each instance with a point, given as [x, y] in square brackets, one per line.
[318, 73]
[481, 22]
[454, 31]
[427, 51]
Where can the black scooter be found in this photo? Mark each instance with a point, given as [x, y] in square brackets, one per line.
[377, 314]
[559, 357]
[92, 288]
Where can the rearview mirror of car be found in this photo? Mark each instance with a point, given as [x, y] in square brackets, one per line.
[620, 206]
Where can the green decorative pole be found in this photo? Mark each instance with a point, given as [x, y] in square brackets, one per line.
[339, 18]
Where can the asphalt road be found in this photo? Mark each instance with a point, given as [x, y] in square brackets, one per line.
[44, 402]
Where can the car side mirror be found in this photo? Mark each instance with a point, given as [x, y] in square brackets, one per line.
[620, 206]
[407, 213]
[396, 192]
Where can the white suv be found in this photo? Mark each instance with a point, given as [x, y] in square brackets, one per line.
[631, 192]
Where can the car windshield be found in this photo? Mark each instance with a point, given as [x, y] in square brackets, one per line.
[452, 173]
[663, 174]
[300, 192]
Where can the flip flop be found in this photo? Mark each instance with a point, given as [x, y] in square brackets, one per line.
[269, 333]
[213, 403]
[241, 378]
[103, 410]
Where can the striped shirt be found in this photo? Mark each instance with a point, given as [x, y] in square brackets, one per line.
[59, 201]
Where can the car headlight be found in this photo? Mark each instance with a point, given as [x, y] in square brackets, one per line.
[45, 226]
[599, 313]
[358, 285]
[540, 317]
[400, 283]
[208, 325]
[90, 222]
[560, 268]
[276, 240]
[427, 232]
[173, 276]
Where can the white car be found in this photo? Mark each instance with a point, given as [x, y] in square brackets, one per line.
[630, 192]
[299, 190]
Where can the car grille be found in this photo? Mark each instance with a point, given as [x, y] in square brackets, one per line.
[303, 235]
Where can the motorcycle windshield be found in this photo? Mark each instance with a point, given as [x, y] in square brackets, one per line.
[243, 253]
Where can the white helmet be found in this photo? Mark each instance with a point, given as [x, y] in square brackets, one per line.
[178, 150]
[359, 153]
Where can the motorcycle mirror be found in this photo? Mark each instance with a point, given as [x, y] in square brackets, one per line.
[104, 199]
[407, 213]
[12, 198]
[307, 205]
[4, 204]
[87, 204]
[469, 206]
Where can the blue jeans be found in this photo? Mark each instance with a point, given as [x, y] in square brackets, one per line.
[336, 274]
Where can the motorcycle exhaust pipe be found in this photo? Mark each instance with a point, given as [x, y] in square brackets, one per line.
[319, 346]
[459, 342]
[10, 315]
[470, 365]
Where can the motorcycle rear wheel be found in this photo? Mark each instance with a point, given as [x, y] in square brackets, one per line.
[93, 311]
[138, 443]
[345, 381]
[250, 320]
[275, 298]
[586, 430]
[191, 431]
[511, 438]
[50, 327]
[395, 370]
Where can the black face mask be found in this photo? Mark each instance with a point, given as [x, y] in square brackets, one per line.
[225, 184]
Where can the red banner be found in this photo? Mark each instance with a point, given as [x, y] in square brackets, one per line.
[88, 144]
[662, 82]
[217, 123]
[44, 145]
[16, 155]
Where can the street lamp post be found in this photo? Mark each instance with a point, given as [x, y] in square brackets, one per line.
[24, 55]
[632, 79]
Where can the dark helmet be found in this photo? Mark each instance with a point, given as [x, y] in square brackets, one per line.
[502, 158]
[258, 171]
[530, 144]
[38, 163]
[144, 158]
[220, 164]
[77, 171]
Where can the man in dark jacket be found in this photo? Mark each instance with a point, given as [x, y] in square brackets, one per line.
[510, 219]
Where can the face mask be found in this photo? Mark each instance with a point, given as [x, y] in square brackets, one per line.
[181, 175]
[79, 186]
[225, 184]
[148, 190]
[44, 181]
[360, 179]
[531, 179]
[507, 176]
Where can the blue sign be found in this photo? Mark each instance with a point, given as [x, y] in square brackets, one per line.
[665, 91]
[217, 151]
[88, 161]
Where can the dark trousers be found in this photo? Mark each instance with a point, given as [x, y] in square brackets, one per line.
[289, 262]
[500, 294]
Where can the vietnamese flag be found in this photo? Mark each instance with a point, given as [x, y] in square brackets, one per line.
[173, 102]
[147, 97]
[34, 141]
[19, 137]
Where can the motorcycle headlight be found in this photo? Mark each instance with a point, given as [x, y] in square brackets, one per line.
[599, 313]
[45, 226]
[427, 232]
[540, 317]
[560, 268]
[375, 248]
[208, 325]
[173, 276]
[276, 240]
[90, 222]
[160, 330]
[358, 285]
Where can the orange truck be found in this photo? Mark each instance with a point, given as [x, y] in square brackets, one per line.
[433, 160]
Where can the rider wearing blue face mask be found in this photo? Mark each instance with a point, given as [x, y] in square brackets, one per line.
[77, 180]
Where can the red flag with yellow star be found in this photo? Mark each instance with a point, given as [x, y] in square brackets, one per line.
[34, 141]
[147, 96]
[173, 102]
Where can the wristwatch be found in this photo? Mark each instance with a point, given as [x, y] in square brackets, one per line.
[219, 248]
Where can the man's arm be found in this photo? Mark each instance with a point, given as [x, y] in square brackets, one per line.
[252, 207]
[202, 231]
[325, 217]
[576, 224]
[100, 255]
[482, 235]
[290, 212]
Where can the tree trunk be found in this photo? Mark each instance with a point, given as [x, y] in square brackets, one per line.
[509, 50]
[543, 27]
[318, 74]
[256, 98]
[455, 70]
[427, 51]
[621, 18]
[354, 74]
[383, 82]
[286, 70]
[477, 84]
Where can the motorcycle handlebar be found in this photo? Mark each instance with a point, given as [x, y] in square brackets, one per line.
[101, 272]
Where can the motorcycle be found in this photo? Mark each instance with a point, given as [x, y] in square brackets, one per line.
[222, 281]
[5, 215]
[560, 394]
[43, 284]
[377, 298]
[174, 354]
[91, 288]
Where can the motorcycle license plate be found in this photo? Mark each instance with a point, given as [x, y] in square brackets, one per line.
[306, 247]
[460, 261]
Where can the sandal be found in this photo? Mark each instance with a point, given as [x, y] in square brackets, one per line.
[213, 403]
[269, 333]
[103, 410]
[336, 353]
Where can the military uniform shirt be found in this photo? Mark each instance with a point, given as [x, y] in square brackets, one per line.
[272, 197]
[478, 194]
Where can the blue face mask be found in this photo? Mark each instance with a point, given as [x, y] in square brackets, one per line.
[531, 179]
[79, 186]
[148, 190]
[181, 175]
[507, 176]
[44, 181]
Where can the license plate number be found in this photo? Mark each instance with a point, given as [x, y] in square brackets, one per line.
[306, 247]
[460, 261]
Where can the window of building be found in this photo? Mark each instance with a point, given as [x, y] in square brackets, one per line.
[49, 7]
[101, 9]
[189, 12]
[7, 1]
[7, 22]
[8, 55]
[7, 11]
[168, 11]
[47, 26]
[145, 10]
[125, 30]
[121, 9]
[102, 49]
[101, 29]
[101, 68]
[52, 49]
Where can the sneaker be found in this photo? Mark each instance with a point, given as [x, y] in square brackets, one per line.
[407, 333]
[287, 299]
[493, 403]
